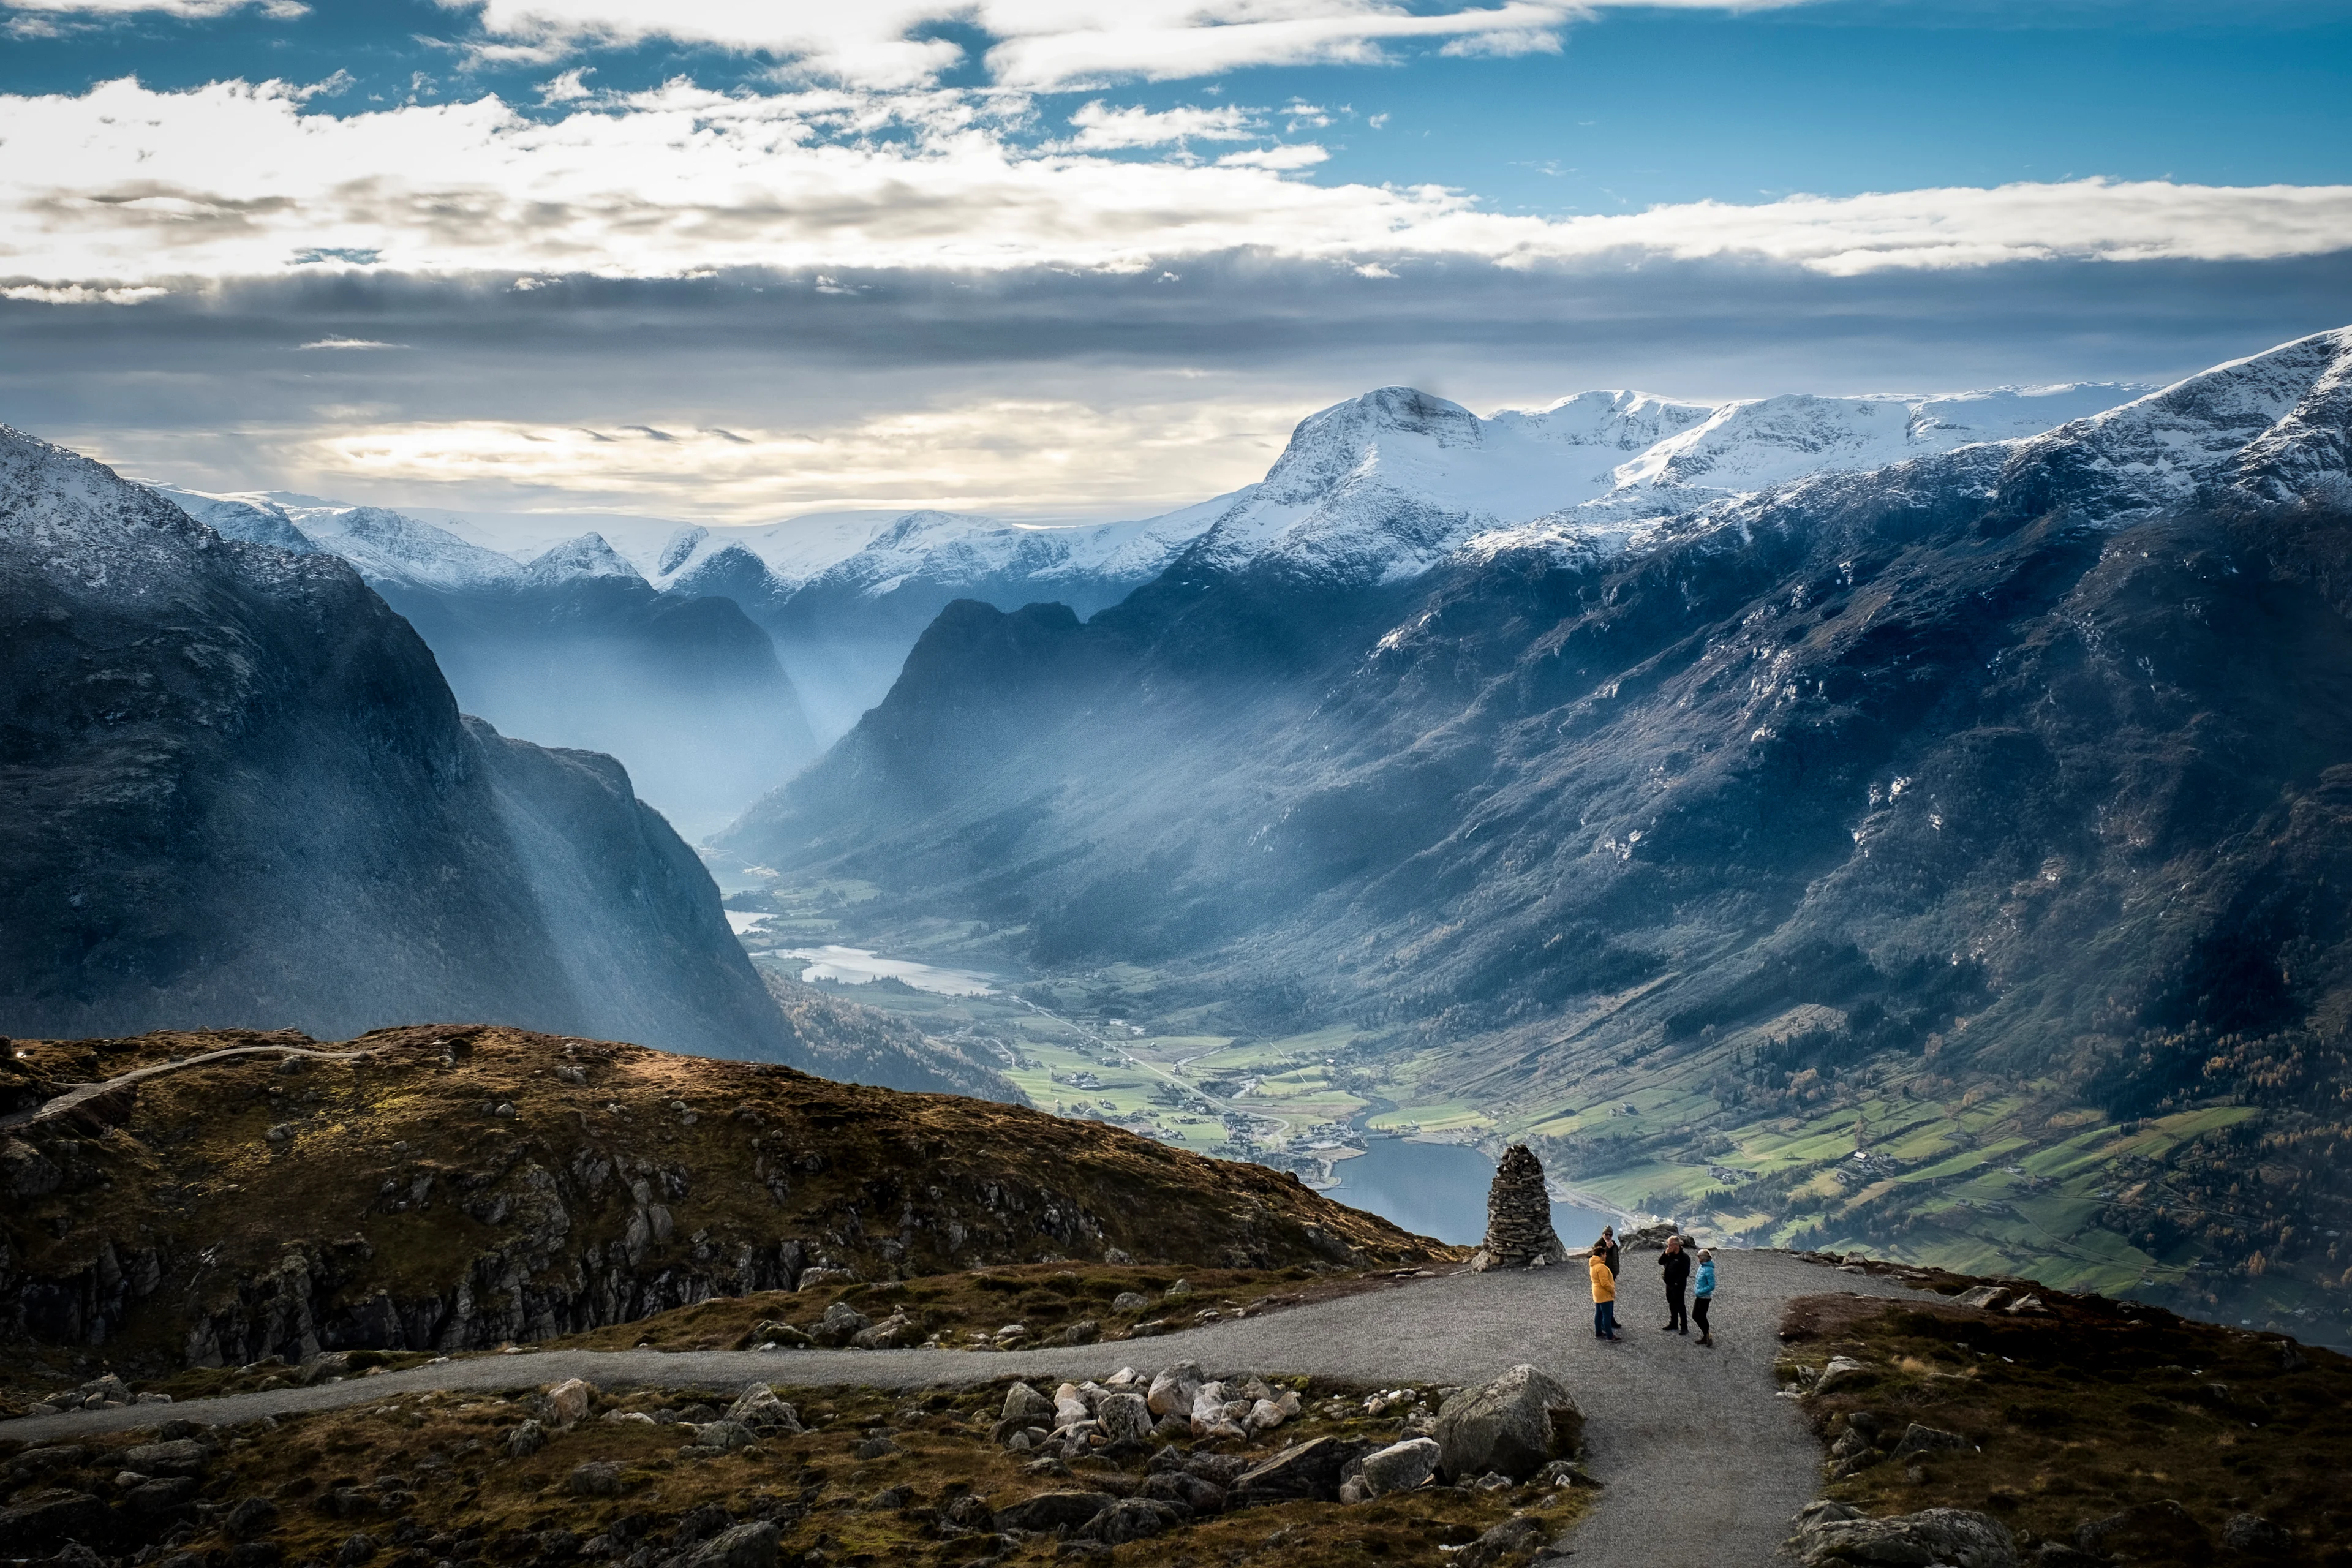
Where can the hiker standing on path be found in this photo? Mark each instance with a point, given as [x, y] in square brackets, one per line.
[1675, 1264]
[1607, 1249]
[1704, 1295]
[1605, 1295]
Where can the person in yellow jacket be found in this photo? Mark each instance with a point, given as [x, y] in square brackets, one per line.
[1604, 1297]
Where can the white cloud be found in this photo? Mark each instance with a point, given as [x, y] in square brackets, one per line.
[1103, 129]
[130, 187]
[1040, 43]
[335, 343]
[1296, 155]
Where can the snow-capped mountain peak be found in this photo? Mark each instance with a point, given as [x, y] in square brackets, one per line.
[586, 556]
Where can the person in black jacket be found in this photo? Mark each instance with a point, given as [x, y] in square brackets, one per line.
[1607, 1248]
[1675, 1265]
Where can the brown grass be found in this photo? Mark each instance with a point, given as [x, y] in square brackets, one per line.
[443, 1457]
[2079, 1414]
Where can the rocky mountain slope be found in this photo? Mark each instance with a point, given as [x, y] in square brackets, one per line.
[2015, 765]
[240, 792]
[459, 1186]
[570, 648]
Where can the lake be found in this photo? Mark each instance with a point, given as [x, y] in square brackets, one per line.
[858, 966]
[1440, 1190]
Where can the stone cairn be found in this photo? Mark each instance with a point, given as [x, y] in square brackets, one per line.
[1518, 1217]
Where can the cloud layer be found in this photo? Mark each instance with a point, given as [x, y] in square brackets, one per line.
[122, 187]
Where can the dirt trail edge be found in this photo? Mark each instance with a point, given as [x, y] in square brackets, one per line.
[1702, 1461]
[82, 1093]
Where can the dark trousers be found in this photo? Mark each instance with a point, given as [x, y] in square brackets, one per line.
[1677, 1315]
[1604, 1318]
[1699, 1310]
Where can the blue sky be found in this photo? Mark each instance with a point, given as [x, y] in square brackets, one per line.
[937, 248]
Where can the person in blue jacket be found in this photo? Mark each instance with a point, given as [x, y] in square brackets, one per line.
[1703, 1295]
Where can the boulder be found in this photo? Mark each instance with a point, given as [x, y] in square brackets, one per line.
[40, 1524]
[1024, 1403]
[526, 1440]
[841, 1323]
[724, 1434]
[1180, 1291]
[1130, 1301]
[894, 1332]
[1918, 1440]
[185, 1457]
[1934, 1538]
[1050, 1511]
[163, 1494]
[2252, 1533]
[1132, 1519]
[1514, 1424]
[1400, 1466]
[744, 1546]
[1070, 1407]
[254, 1517]
[1203, 1496]
[1084, 1332]
[1172, 1391]
[597, 1477]
[1989, 1297]
[971, 1514]
[567, 1402]
[1842, 1373]
[758, 1408]
[1304, 1471]
[1124, 1416]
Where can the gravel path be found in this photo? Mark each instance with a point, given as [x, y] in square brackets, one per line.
[1694, 1442]
[81, 1093]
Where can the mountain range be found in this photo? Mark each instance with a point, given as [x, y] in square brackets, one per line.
[2014, 767]
[240, 792]
[638, 637]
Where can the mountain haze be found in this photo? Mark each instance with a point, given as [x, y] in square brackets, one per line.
[241, 793]
[2018, 761]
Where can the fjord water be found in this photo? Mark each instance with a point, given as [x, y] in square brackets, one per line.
[1440, 1190]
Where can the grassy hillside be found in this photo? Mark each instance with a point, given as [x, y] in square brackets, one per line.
[461, 1186]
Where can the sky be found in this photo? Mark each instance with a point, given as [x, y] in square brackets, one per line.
[734, 260]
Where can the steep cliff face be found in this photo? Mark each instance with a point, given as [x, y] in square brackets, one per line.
[459, 1186]
[241, 793]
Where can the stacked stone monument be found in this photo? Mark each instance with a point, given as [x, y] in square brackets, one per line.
[1518, 1217]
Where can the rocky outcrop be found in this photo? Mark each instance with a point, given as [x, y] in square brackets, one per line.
[1518, 1215]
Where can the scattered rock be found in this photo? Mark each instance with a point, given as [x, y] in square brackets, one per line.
[40, 1524]
[163, 1494]
[1084, 1332]
[724, 1436]
[1950, 1536]
[1203, 1496]
[814, 1278]
[597, 1477]
[2027, 1307]
[566, 1403]
[1400, 1466]
[254, 1517]
[1180, 1291]
[1049, 1510]
[1918, 1440]
[1173, 1391]
[841, 1323]
[890, 1498]
[1130, 1301]
[2252, 1533]
[893, 1332]
[357, 1548]
[1132, 1519]
[758, 1408]
[1518, 1214]
[1513, 1541]
[1124, 1416]
[1514, 1424]
[526, 1440]
[1305, 1470]
[1989, 1297]
[744, 1546]
[1023, 1403]
[185, 1457]
[875, 1448]
[1843, 1371]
